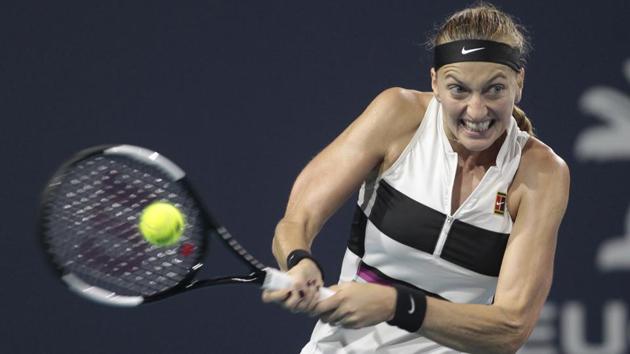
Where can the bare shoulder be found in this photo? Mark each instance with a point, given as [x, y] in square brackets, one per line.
[403, 101]
[408, 96]
[542, 175]
[392, 114]
[397, 113]
[539, 160]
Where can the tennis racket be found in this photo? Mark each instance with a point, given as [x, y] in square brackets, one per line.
[89, 228]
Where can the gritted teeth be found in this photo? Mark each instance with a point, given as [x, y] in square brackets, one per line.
[477, 126]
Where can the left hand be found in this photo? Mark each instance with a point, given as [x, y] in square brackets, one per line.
[302, 296]
[357, 305]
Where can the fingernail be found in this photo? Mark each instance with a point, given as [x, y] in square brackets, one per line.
[301, 293]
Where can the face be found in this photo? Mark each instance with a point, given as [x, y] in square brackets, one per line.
[477, 99]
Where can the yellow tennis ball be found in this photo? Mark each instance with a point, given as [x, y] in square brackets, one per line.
[161, 223]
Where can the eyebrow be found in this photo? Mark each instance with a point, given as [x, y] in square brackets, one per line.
[449, 75]
[496, 76]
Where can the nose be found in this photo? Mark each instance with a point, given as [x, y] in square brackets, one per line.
[476, 108]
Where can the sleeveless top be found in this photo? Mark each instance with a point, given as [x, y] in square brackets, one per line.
[403, 232]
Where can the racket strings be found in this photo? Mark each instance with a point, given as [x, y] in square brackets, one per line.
[93, 255]
[92, 226]
[110, 270]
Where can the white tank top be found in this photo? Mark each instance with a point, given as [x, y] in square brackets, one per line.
[403, 232]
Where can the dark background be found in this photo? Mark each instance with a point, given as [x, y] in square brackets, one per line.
[242, 94]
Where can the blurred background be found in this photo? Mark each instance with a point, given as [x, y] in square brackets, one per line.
[242, 94]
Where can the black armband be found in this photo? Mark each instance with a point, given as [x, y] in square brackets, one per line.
[297, 255]
[411, 307]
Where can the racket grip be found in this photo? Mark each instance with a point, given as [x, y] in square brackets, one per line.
[277, 280]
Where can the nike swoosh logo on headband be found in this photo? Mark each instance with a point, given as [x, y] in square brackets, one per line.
[467, 51]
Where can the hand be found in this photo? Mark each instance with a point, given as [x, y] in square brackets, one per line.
[357, 305]
[303, 295]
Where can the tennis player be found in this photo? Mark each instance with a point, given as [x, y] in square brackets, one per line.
[453, 241]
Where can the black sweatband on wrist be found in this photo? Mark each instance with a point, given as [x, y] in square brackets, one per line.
[411, 307]
[477, 50]
[297, 255]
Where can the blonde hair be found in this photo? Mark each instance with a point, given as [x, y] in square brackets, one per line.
[486, 22]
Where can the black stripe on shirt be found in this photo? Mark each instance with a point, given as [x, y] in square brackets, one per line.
[356, 243]
[405, 220]
[418, 226]
[475, 248]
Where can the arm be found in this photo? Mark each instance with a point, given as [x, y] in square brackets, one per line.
[334, 174]
[526, 272]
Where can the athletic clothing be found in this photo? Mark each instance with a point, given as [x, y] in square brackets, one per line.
[403, 232]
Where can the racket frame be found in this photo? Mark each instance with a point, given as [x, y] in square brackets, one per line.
[208, 223]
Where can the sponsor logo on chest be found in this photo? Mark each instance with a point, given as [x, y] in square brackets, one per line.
[499, 203]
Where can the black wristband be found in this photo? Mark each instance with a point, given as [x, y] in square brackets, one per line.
[411, 307]
[297, 255]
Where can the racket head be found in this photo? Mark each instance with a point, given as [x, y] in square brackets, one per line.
[88, 225]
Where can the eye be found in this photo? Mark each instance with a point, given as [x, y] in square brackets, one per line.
[456, 90]
[496, 89]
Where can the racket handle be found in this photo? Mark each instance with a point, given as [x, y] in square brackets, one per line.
[277, 280]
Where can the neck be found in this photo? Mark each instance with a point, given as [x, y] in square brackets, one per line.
[474, 159]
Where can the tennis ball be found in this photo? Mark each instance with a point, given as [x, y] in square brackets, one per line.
[161, 223]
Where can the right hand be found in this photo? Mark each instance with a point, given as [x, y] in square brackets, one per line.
[303, 295]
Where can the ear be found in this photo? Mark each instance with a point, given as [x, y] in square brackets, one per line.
[434, 84]
[520, 81]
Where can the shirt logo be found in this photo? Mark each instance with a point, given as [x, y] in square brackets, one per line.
[468, 51]
[499, 203]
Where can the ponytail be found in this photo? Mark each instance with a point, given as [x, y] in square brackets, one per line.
[523, 122]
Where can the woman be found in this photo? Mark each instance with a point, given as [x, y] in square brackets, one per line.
[454, 238]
